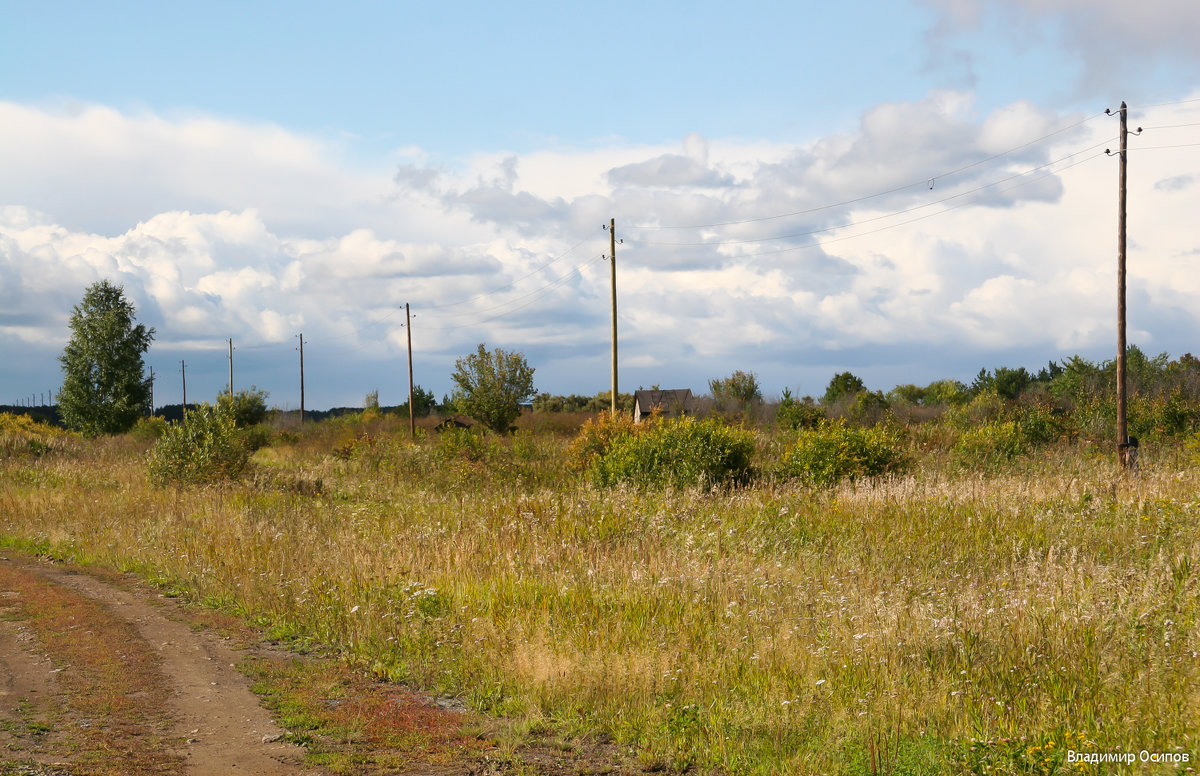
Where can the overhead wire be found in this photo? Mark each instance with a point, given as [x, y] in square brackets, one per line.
[856, 200]
[879, 217]
[506, 308]
[822, 243]
[552, 284]
[540, 293]
[510, 284]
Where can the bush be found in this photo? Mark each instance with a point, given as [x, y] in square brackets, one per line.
[247, 407]
[148, 429]
[22, 436]
[255, 437]
[835, 451]
[597, 435]
[465, 444]
[991, 442]
[205, 447]
[793, 413]
[680, 451]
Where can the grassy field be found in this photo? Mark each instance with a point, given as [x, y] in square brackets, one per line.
[954, 619]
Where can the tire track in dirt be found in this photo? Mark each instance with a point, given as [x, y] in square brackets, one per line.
[218, 721]
[26, 682]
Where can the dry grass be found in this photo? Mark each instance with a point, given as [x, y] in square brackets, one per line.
[950, 621]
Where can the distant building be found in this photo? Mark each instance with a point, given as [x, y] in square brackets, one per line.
[668, 404]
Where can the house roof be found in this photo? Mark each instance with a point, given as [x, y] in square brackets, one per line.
[648, 400]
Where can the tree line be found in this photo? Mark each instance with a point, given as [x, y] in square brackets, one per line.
[105, 389]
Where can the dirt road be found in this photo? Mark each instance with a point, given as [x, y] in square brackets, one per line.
[73, 647]
[101, 675]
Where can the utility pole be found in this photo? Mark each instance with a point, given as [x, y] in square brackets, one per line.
[612, 265]
[412, 418]
[301, 378]
[231, 369]
[183, 371]
[1122, 425]
[151, 392]
[1123, 441]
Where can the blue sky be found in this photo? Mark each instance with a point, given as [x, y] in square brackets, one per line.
[257, 170]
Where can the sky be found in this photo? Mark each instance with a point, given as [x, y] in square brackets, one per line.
[910, 190]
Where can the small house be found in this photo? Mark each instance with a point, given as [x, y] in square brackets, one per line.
[668, 404]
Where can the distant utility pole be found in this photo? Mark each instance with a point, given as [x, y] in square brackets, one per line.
[231, 368]
[612, 265]
[412, 418]
[302, 378]
[183, 371]
[151, 392]
[1123, 441]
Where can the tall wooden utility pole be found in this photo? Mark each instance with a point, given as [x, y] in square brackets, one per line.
[612, 264]
[1123, 440]
[302, 378]
[183, 371]
[1122, 426]
[412, 418]
[231, 368]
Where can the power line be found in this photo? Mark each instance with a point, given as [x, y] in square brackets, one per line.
[1162, 147]
[1176, 102]
[885, 215]
[822, 243]
[540, 293]
[375, 324]
[552, 284]
[924, 182]
[512, 283]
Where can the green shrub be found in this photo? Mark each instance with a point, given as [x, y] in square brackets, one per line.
[247, 407]
[835, 451]
[991, 442]
[1172, 415]
[255, 437]
[597, 434]
[793, 413]
[984, 407]
[1038, 424]
[465, 444]
[679, 451]
[205, 447]
[867, 408]
[21, 436]
[148, 429]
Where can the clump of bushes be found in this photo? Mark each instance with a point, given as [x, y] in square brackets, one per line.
[148, 429]
[466, 444]
[991, 442]
[679, 451]
[204, 448]
[596, 435]
[21, 436]
[794, 413]
[835, 451]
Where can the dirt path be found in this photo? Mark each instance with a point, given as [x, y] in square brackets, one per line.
[101, 675]
[212, 723]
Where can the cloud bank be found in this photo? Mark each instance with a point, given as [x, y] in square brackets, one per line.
[931, 239]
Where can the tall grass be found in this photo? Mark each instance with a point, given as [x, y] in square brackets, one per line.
[947, 621]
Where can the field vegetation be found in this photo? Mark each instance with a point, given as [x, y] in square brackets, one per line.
[949, 579]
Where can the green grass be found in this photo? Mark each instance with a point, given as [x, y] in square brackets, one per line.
[952, 620]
